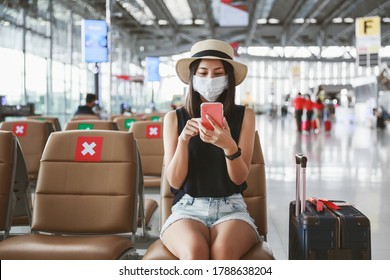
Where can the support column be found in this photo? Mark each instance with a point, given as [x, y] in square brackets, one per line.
[109, 46]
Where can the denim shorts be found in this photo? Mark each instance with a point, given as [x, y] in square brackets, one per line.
[210, 211]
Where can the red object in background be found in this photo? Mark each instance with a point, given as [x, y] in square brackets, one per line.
[327, 125]
[236, 4]
[305, 126]
[137, 78]
[235, 46]
[299, 102]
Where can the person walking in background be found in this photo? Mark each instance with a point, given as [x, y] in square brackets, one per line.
[318, 114]
[90, 102]
[309, 109]
[298, 104]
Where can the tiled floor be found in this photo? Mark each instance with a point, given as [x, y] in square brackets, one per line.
[351, 162]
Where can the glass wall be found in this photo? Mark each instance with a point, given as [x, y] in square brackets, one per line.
[41, 63]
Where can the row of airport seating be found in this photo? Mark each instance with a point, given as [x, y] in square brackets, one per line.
[120, 122]
[73, 193]
[86, 199]
[33, 135]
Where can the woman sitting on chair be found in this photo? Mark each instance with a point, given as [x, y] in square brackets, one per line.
[207, 169]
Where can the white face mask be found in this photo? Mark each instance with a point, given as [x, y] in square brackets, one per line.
[210, 88]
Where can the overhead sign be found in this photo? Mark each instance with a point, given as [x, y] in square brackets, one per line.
[233, 13]
[368, 35]
[153, 66]
[94, 41]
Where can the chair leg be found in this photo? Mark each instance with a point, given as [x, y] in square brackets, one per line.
[142, 216]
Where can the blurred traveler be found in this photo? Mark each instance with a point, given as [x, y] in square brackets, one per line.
[298, 104]
[309, 108]
[87, 109]
[318, 113]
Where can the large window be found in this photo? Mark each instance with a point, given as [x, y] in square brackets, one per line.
[36, 82]
[11, 75]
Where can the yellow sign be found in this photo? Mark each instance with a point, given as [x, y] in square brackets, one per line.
[368, 35]
[368, 26]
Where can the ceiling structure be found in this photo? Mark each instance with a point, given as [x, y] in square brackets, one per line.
[168, 27]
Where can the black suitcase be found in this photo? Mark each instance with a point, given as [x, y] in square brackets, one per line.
[327, 234]
[355, 232]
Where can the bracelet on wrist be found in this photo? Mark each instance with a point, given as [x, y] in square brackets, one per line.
[235, 155]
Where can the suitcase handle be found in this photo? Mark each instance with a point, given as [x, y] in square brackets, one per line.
[301, 163]
[301, 159]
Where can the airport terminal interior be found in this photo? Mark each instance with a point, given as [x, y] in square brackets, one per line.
[54, 52]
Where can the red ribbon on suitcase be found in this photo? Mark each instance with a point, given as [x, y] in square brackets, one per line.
[320, 202]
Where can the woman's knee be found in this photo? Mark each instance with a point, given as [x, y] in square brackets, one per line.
[194, 251]
[231, 240]
[187, 239]
[223, 251]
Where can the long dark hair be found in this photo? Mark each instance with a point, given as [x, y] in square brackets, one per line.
[193, 101]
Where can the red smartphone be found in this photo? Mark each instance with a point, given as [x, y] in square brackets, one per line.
[213, 109]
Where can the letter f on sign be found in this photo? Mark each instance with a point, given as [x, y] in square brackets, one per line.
[367, 25]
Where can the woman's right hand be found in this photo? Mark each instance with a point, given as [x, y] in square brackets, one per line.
[191, 129]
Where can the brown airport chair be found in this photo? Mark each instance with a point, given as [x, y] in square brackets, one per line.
[91, 124]
[54, 120]
[124, 122]
[23, 204]
[112, 117]
[155, 116]
[255, 197]
[85, 117]
[7, 176]
[149, 136]
[15, 208]
[86, 199]
[32, 136]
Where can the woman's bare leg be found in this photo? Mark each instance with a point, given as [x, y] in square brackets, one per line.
[188, 240]
[230, 240]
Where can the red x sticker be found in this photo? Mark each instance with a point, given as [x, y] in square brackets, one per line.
[20, 129]
[88, 149]
[153, 131]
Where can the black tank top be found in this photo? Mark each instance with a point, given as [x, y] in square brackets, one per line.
[207, 171]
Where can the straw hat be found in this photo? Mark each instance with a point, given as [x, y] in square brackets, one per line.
[210, 49]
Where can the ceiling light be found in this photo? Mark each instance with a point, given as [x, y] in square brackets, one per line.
[337, 20]
[299, 20]
[273, 21]
[162, 22]
[149, 22]
[180, 10]
[261, 21]
[199, 21]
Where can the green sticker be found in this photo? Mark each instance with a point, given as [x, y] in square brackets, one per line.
[85, 126]
[128, 123]
[40, 119]
[155, 118]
